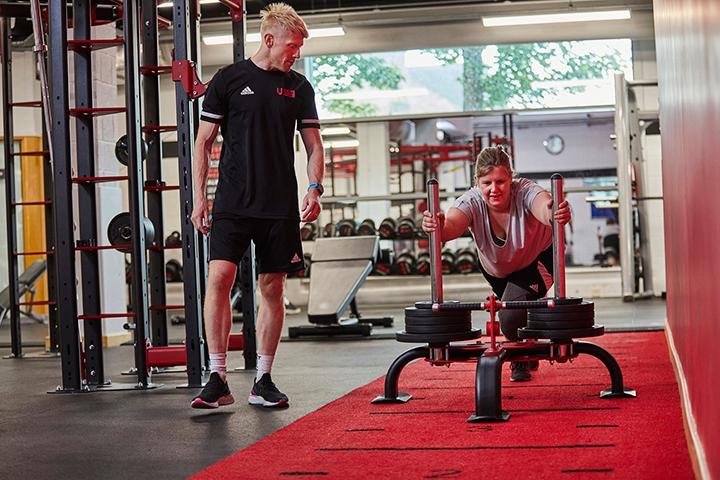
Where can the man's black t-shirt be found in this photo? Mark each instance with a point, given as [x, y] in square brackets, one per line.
[258, 111]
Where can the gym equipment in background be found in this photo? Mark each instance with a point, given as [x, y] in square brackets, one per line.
[119, 231]
[339, 268]
[121, 150]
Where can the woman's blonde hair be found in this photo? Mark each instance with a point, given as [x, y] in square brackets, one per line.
[284, 16]
[489, 158]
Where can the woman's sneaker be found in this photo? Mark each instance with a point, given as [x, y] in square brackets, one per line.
[520, 371]
[265, 394]
[215, 393]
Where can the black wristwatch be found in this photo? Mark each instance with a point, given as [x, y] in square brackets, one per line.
[318, 186]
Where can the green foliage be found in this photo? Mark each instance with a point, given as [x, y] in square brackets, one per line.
[508, 80]
[346, 73]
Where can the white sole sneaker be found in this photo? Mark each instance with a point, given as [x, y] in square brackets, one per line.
[261, 402]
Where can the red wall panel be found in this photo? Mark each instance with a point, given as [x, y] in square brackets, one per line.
[688, 57]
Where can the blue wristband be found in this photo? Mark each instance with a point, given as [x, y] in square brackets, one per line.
[317, 186]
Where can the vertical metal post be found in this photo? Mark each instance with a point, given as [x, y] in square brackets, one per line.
[436, 285]
[136, 190]
[41, 49]
[49, 189]
[191, 267]
[247, 265]
[556, 184]
[10, 194]
[154, 172]
[195, 51]
[624, 181]
[87, 198]
[65, 251]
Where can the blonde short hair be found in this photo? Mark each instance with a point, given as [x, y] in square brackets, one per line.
[284, 16]
[489, 158]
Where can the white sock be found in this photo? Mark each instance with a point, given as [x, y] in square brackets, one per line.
[264, 365]
[218, 364]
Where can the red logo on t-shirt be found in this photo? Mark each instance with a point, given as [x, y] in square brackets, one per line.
[285, 92]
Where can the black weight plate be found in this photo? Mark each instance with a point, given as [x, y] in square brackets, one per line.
[435, 321]
[560, 324]
[579, 309]
[438, 337]
[427, 304]
[569, 333]
[448, 315]
[442, 328]
[567, 300]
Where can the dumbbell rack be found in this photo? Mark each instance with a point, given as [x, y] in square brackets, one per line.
[554, 346]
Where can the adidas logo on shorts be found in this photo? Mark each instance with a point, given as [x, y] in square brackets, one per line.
[247, 91]
[295, 259]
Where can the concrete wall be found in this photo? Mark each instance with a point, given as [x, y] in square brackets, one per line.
[688, 63]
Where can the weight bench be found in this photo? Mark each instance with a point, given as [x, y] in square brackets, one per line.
[339, 268]
[26, 284]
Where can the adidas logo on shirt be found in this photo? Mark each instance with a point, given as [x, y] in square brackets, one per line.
[295, 259]
[247, 91]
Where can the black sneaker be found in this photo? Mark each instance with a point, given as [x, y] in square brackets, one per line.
[265, 394]
[520, 372]
[215, 393]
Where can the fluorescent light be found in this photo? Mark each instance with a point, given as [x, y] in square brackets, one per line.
[217, 39]
[255, 37]
[555, 18]
[335, 131]
[342, 144]
[326, 32]
[314, 33]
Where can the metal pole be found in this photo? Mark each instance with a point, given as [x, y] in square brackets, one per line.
[556, 183]
[136, 193]
[10, 194]
[436, 285]
[41, 49]
[624, 181]
[191, 264]
[63, 205]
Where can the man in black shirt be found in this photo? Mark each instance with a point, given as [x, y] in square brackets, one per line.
[256, 104]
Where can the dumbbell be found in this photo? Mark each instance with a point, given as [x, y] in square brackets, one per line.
[422, 266]
[173, 271]
[448, 261]
[405, 227]
[329, 230]
[121, 150]
[308, 232]
[384, 264]
[388, 229]
[405, 263]
[173, 240]
[420, 233]
[367, 227]
[119, 231]
[346, 227]
[466, 260]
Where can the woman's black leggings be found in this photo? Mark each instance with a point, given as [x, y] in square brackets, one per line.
[525, 284]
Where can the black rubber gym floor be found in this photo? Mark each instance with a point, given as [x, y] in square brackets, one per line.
[154, 434]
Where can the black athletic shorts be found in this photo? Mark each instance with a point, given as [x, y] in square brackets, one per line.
[278, 247]
[529, 278]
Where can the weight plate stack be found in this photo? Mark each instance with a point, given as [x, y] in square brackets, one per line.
[422, 325]
[572, 318]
